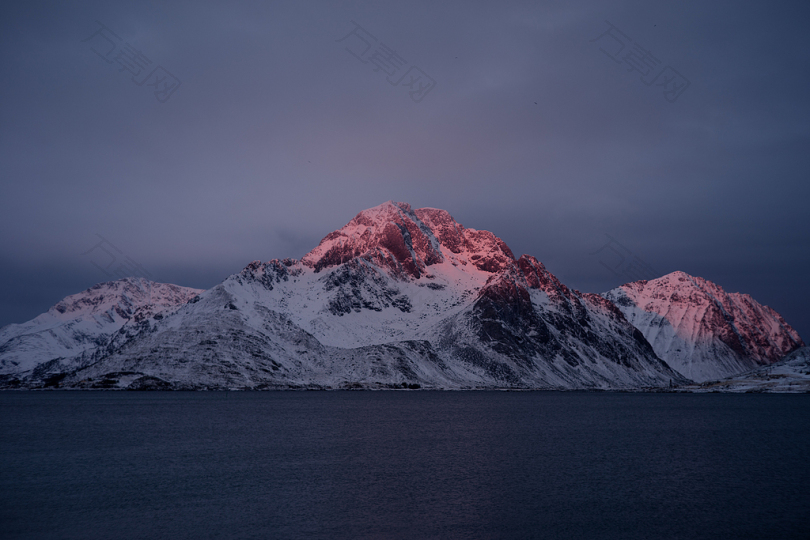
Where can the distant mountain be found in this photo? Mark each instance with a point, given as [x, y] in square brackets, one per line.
[700, 330]
[396, 298]
[788, 375]
[66, 336]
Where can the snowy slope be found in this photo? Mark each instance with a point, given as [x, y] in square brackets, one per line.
[789, 375]
[702, 331]
[67, 334]
[395, 296]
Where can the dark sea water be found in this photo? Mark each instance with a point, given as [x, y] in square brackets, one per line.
[403, 465]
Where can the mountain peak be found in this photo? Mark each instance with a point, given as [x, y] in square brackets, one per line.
[390, 235]
[677, 275]
[700, 329]
[81, 322]
[121, 295]
[406, 241]
[382, 213]
[386, 208]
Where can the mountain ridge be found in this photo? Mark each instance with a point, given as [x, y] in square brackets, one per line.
[76, 326]
[395, 297]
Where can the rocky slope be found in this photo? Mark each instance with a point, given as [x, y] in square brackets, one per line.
[702, 331]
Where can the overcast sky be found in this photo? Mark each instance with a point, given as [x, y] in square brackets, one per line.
[681, 131]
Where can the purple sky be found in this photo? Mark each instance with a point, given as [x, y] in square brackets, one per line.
[278, 135]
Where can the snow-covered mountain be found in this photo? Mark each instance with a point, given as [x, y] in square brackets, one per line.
[397, 297]
[702, 331]
[66, 336]
[789, 375]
